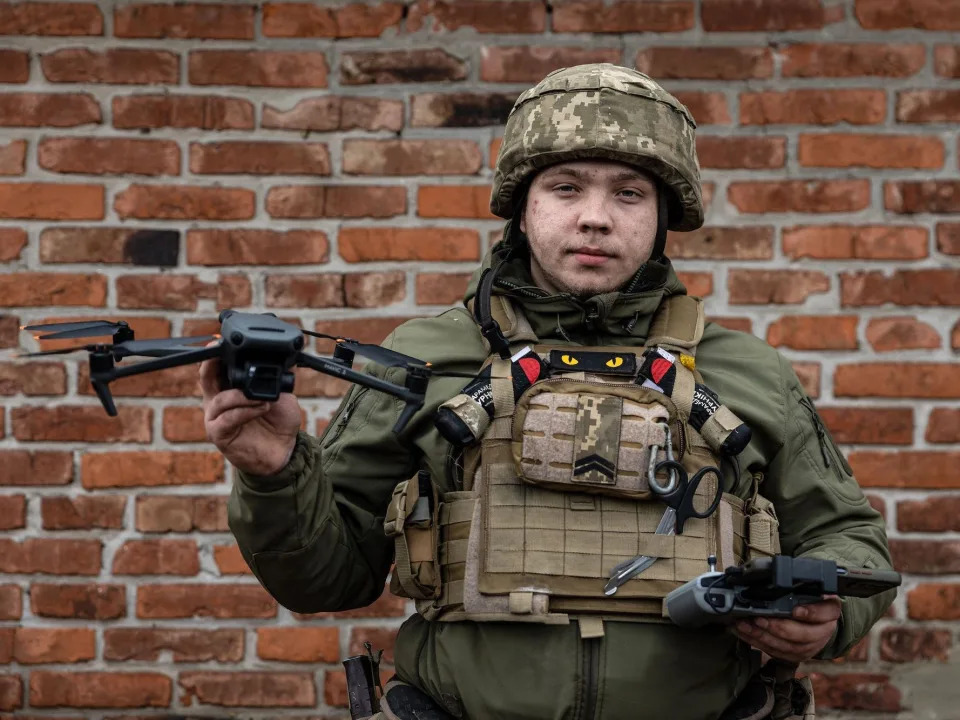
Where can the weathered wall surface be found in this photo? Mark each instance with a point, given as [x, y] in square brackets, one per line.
[331, 163]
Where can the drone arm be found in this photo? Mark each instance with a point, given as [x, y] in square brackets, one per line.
[162, 363]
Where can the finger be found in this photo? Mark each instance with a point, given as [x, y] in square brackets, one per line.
[210, 376]
[794, 631]
[771, 644]
[228, 400]
[227, 425]
[820, 612]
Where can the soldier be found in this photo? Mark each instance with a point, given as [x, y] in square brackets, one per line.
[510, 559]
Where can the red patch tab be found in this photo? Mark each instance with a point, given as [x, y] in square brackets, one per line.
[530, 367]
[659, 368]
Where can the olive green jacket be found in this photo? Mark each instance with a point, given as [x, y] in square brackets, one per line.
[313, 533]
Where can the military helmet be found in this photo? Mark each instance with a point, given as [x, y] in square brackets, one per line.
[601, 111]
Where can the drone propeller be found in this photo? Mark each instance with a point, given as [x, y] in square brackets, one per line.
[106, 326]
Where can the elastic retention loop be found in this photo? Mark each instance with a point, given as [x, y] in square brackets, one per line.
[660, 242]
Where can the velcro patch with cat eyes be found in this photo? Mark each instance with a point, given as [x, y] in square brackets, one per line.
[594, 362]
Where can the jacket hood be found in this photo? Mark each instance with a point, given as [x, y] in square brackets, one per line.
[621, 317]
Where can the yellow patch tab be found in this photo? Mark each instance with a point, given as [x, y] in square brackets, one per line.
[688, 362]
[594, 362]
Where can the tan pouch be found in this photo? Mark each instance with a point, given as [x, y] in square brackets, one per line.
[589, 437]
[413, 527]
[763, 527]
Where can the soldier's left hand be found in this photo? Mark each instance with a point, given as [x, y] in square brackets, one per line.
[796, 639]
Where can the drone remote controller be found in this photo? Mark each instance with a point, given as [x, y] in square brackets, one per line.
[770, 587]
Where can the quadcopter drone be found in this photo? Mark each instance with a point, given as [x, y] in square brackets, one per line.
[257, 354]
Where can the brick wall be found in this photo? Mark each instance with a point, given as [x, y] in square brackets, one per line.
[332, 163]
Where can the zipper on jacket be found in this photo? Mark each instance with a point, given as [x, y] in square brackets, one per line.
[818, 428]
[341, 420]
[590, 682]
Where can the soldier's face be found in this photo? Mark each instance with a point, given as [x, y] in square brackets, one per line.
[591, 224]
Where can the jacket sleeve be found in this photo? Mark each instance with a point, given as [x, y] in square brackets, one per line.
[822, 510]
[313, 533]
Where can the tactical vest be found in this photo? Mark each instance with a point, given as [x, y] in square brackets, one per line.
[555, 491]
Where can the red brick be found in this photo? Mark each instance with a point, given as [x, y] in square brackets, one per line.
[9, 331]
[115, 66]
[11, 692]
[222, 600]
[892, 14]
[873, 151]
[411, 157]
[698, 284]
[454, 201]
[740, 324]
[368, 330]
[935, 514]
[149, 469]
[325, 114]
[259, 158]
[310, 384]
[707, 108]
[766, 15]
[299, 644]
[177, 382]
[12, 243]
[401, 66]
[926, 380]
[376, 289]
[14, 66]
[852, 60]
[48, 110]
[230, 561]
[622, 16]
[813, 107]
[804, 196]
[173, 292]
[44, 645]
[187, 20]
[11, 602]
[249, 689]
[722, 243]
[814, 332]
[381, 638]
[183, 424]
[51, 201]
[348, 201]
[40, 289]
[923, 106]
[913, 470]
[934, 196]
[482, 16]
[290, 20]
[13, 512]
[934, 288]
[460, 109]
[180, 513]
[82, 424]
[761, 287]
[934, 601]
[99, 689]
[103, 156]
[156, 557]
[908, 644]
[706, 63]
[741, 152]
[869, 426]
[257, 247]
[181, 202]
[305, 290]
[147, 644]
[948, 238]
[129, 246]
[422, 244]
[925, 557]
[955, 336]
[20, 467]
[521, 64]
[901, 333]
[32, 378]
[83, 512]
[387, 605]
[13, 158]
[846, 242]
[50, 18]
[258, 69]
[441, 288]
[856, 691]
[207, 112]
[80, 601]
[46, 555]
[946, 60]
[943, 426]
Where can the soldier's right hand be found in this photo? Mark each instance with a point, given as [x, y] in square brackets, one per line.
[254, 436]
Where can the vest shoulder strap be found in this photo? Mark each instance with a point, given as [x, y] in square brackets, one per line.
[678, 324]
